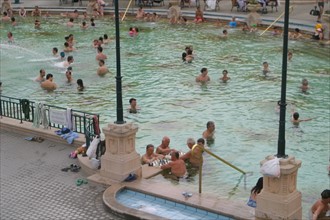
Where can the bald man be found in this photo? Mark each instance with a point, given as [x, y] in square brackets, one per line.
[164, 147]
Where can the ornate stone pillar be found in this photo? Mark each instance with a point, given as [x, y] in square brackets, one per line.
[120, 158]
[279, 198]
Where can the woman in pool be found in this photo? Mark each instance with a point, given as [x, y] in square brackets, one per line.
[10, 37]
[80, 84]
[225, 77]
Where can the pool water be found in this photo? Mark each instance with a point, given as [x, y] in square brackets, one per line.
[164, 207]
[173, 104]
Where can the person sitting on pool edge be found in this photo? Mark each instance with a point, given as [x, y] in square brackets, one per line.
[254, 193]
[133, 108]
[177, 166]
[195, 154]
[164, 148]
[208, 134]
[150, 156]
[49, 85]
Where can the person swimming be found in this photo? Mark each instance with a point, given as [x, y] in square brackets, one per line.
[296, 121]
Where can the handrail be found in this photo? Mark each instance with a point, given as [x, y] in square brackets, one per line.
[217, 157]
[291, 7]
[129, 4]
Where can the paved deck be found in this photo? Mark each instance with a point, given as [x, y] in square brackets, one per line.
[34, 187]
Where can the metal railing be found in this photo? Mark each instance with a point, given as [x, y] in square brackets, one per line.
[24, 110]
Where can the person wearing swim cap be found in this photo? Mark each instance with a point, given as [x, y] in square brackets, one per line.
[321, 206]
[62, 55]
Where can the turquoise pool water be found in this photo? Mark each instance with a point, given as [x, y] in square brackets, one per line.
[163, 207]
[173, 104]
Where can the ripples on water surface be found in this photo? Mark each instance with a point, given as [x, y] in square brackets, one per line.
[174, 105]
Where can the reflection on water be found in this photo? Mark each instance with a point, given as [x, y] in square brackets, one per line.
[172, 104]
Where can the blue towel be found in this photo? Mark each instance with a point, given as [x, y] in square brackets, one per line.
[68, 136]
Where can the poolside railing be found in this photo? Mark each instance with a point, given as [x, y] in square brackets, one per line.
[24, 110]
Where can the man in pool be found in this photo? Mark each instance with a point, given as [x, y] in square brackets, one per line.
[203, 77]
[164, 147]
[100, 55]
[295, 119]
[195, 154]
[49, 85]
[208, 134]
[102, 70]
[321, 206]
[177, 166]
[68, 62]
[133, 108]
[265, 69]
[41, 77]
[150, 156]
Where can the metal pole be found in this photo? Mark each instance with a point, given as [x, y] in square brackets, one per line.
[282, 103]
[120, 114]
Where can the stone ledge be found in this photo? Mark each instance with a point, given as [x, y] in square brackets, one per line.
[25, 128]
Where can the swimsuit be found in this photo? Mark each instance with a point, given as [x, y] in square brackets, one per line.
[252, 203]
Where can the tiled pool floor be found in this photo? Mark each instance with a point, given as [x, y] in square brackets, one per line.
[163, 207]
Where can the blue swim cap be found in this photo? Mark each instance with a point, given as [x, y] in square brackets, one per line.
[62, 54]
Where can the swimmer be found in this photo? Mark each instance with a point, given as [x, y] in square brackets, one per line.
[295, 119]
[290, 55]
[67, 47]
[225, 77]
[84, 25]
[304, 86]
[194, 155]
[133, 107]
[296, 34]
[276, 31]
[106, 39]
[189, 57]
[48, 84]
[13, 21]
[62, 55]
[37, 24]
[203, 77]
[41, 77]
[70, 23]
[150, 155]
[154, 17]
[208, 134]
[224, 34]
[10, 37]
[101, 41]
[102, 70]
[246, 28]
[184, 54]
[92, 22]
[22, 12]
[177, 166]
[68, 62]
[132, 32]
[68, 75]
[80, 84]
[100, 55]
[265, 69]
[164, 147]
[55, 52]
[321, 206]
[5, 17]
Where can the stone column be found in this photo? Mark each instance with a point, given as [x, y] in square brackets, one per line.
[120, 158]
[279, 198]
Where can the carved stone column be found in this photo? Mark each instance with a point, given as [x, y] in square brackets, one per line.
[279, 198]
[120, 158]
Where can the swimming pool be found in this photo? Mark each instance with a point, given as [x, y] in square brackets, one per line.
[164, 207]
[173, 104]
